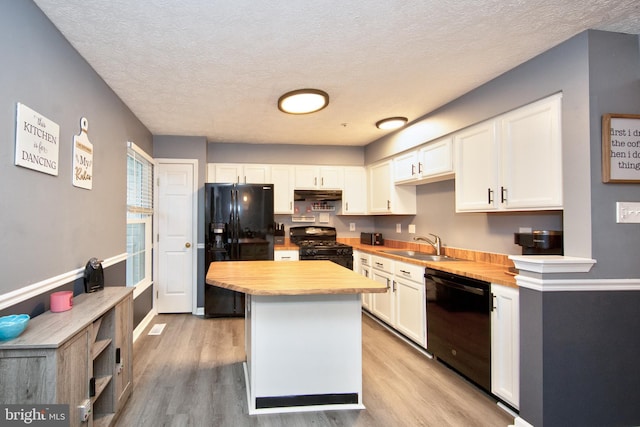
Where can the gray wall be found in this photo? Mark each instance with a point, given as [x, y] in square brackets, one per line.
[578, 349]
[47, 226]
[475, 231]
[562, 69]
[285, 154]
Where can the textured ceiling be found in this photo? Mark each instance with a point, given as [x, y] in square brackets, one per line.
[216, 68]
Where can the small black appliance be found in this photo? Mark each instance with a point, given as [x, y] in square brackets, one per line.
[93, 276]
[540, 242]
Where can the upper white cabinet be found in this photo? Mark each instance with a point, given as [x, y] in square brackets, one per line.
[512, 162]
[532, 156]
[354, 193]
[315, 177]
[476, 168]
[238, 173]
[282, 179]
[384, 196]
[429, 163]
[505, 344]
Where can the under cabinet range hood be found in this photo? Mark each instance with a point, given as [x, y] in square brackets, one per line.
[317, 195]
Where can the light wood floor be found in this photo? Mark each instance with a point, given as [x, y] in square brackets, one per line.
[192, 375]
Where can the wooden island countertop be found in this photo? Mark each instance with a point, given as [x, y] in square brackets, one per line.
[289, 278]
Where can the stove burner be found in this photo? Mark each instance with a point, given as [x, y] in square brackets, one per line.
[320, 243]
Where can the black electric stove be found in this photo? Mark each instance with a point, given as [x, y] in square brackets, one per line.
[317, 242]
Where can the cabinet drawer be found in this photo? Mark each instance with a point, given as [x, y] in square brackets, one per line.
[365, 260]
[412, 272]
[381, 263]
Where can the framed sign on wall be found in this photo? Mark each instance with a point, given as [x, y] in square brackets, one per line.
[621, 148]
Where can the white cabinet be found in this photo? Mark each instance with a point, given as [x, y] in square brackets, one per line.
[354, 194]
[505, 344]
[410, 305]
[532, 156]
[286, 255]
[430, 163]
[282, 179]
[238, 173]
[384, 196]
[437, 160]
[403, 305]
[513, 162]
[406, 167]
[476, 168]
[382, 304]
[362, 265]
[318, 177]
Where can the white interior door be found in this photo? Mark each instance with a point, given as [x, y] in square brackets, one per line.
[176, 244]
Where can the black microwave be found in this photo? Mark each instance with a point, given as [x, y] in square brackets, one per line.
[371, 239]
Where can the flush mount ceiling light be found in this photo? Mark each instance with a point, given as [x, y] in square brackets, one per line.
[391, 123]
[303, 101]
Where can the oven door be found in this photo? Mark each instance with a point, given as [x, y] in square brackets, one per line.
[459, 324]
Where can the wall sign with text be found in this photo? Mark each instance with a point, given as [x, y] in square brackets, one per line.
[621, 148]
[82, 157]
[37, 141]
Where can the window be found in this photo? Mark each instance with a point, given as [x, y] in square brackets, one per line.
[139, 216]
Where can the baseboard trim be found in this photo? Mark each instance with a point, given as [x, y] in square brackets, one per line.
[519, 422]
[137, 332]
[35, 289]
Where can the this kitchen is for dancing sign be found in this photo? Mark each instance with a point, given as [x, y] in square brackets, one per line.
[37, 141]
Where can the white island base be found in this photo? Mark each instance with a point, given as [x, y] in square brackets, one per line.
[304, 353]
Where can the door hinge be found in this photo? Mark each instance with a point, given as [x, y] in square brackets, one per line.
[157, 294]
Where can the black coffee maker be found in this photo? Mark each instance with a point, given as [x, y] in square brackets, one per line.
[93, 276]
[540, 242]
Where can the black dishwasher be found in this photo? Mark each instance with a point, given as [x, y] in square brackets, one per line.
[459, 324]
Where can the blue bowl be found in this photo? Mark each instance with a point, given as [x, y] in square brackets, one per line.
[12, 326]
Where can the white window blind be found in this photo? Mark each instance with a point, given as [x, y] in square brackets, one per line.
[139, 216]
[139, 182]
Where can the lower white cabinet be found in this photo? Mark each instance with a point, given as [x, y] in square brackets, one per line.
[362, 265]
[505, 344]
[403, 305]
[382, 304]
[286, 255]
[410, 308]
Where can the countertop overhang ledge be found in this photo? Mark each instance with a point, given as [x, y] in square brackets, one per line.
[552, 263]
[317, 277]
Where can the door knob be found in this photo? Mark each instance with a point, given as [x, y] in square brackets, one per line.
[187, 245]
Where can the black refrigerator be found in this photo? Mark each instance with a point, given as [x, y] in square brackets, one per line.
[239, 227]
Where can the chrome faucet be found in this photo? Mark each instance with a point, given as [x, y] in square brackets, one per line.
[437, 244]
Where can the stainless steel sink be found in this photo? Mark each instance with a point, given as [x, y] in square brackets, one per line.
[422, 256]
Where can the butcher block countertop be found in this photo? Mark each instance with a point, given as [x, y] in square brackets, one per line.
[492, 268]
[289, 278]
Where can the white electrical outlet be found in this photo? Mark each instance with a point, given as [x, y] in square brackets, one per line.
[398, 228]
[412, 229]
[628, 212]
[352, 226]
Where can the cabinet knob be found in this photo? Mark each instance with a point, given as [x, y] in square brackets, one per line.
[187, 245]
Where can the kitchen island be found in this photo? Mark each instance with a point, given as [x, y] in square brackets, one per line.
[303, 335]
